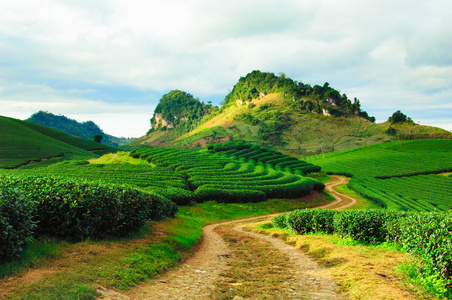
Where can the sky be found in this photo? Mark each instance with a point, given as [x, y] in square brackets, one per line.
[111, 61]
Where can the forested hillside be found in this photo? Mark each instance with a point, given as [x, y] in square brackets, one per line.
[85, 130]
[180, 111]
[315, 99]
[279, 112]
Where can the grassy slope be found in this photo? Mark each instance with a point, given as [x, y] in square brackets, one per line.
[307, 134]
[23, 142]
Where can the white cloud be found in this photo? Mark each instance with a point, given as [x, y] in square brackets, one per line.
[388, 54]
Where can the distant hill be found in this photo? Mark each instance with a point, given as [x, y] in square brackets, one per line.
[23, 143]
[85, 130]
[287, 115]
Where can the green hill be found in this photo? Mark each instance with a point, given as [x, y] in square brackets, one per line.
[284, 114]
[85, 130]
[24, 142]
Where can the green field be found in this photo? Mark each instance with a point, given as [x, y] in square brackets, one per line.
[397, 175]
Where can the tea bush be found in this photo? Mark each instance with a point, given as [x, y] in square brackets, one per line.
[79, 209]
[428, 236]
[16, 221]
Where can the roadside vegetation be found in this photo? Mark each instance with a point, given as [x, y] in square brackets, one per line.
[426, 236]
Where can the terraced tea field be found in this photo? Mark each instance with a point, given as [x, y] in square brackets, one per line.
[400, 176]
[186, 176]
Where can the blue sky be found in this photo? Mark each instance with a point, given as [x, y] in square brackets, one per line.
[111, 61]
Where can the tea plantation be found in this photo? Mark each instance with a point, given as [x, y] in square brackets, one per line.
[399, 176]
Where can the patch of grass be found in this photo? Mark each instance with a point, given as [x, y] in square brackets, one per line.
[34, 254]
[362, 271]
[118, 158]
[151, 259]
[61, 287]
[363, 203]
[257, 270]
[424, 286]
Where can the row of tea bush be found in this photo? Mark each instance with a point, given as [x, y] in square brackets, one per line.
[72, 209]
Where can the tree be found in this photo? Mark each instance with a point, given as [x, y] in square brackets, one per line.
[399, 117]
[98, 137]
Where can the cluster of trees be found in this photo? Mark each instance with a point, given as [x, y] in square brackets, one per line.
[306, 97]
[399, 117]
[181, 111]
[62, 123]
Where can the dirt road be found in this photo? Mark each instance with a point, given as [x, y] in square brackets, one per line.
[198, 276]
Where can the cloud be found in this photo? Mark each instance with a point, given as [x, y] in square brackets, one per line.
[388, 54]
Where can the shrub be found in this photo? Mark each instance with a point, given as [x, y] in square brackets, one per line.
[300, 221]
[229, 196]
[429, 236]
[78, 209]
[178, 195]
[323, 220]
[367, 226]
[16, 221]
[309, 220]
[280, 221]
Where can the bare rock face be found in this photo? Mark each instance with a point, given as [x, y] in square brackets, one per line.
[161, 122]
[326, 113]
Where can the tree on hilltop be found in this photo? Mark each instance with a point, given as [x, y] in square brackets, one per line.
[399, 117]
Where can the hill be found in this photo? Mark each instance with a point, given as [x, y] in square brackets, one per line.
[23, 142]
[287, 115]
[85, 130]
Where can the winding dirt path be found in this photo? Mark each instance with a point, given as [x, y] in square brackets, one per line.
[196, 277]
[342, 200]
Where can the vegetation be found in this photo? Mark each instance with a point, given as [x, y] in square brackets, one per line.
[85, 130]
[399, 117]
[179, 110]
[73, 209]
[73, 195]
[23, 143]
[306, 97]
[276, 111]
[16, 221]
[228, 180]
[254, 154]
[403, 175]
[124, 263]
[98, 138]
[425, 235]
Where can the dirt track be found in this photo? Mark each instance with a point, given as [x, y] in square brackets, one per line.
[196, 277]
[342, 201]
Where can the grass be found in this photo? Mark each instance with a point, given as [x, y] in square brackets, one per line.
[119, 158]
[256, 269]
[362, 271]
[363, 203]
[22, 143]
[37, 252]
[76, 270]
